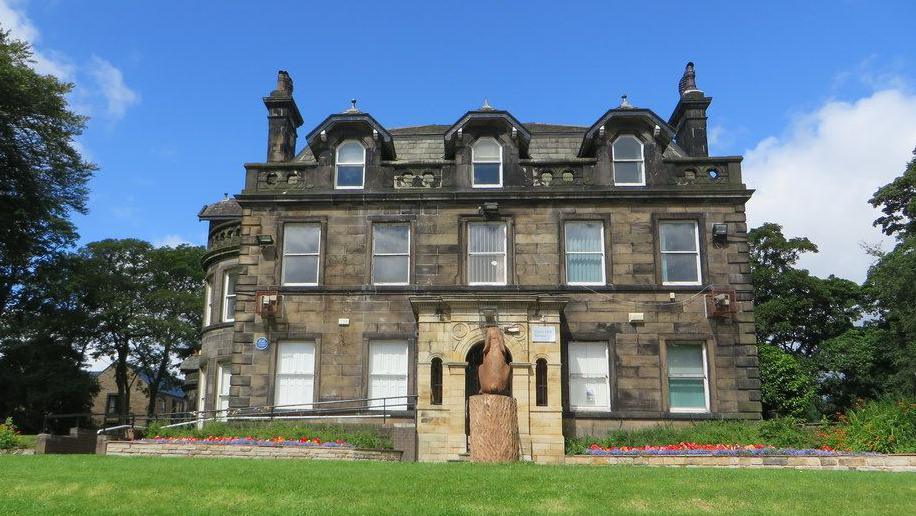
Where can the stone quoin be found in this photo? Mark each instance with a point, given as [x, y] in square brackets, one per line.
[613, 257]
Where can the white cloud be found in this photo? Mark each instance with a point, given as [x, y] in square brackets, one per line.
[110, 82]
[14, 19]
[817, 178]
[171, 241]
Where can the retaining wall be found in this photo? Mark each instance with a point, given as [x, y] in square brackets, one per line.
[133, 448]
[838, 462]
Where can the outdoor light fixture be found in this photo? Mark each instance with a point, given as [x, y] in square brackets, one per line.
[720, 233]
[489, 209]
[265, 240]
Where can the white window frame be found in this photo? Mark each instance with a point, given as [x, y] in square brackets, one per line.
[505, 253]
[338, 163]
[317, 254]
[641, 161]
[208, 302]
[396, 403]
[405, 254]
[676, 410]
[227, 317]
[223, 381]
[568, 252]
[306, 405]
[475, 161]
[201, 395]
[662, 252]
[607, 378]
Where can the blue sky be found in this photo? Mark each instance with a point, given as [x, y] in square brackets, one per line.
[174, 90]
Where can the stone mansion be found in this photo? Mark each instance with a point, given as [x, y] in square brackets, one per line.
[361, 265]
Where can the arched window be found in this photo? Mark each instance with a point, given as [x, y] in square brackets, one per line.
[435, 381]
[351, 165]
[540, 382]
[487, 158]
[629, 165]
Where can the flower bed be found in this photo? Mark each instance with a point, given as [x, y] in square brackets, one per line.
[249, 441]
[727, 450]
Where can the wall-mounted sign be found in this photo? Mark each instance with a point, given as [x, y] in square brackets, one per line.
[543, 333]
[262, 343]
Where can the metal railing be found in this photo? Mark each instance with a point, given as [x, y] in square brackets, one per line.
[383, 408]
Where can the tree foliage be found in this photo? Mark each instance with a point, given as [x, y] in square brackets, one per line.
[42, 176]
[787, 384]
[897, 201]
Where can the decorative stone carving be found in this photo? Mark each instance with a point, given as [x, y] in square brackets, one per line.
[494, 373]
[418, 179]
[704, 176]
[460, 330]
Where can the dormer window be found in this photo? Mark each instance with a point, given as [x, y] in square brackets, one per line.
[487, 158]
[351, 166]
[629, 165]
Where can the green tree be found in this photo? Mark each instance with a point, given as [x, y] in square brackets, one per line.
[892, 283]
[42, 175]
[172, 315]
[793, 309]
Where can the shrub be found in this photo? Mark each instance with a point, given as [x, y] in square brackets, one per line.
[9, 436]
[780, 433]
[787, 387]
[360, 436]
[879, 426]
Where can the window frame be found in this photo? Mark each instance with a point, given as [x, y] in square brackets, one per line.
[388, 404]
[408, 254]
[208, 301]
[505, 253]
[474, 162]
[338, 163]
[703, 345]
[567, 252]
[541, 385]
[641, 160]
[223, 383]
[109, 405]
[283, 254]
[607, 379]
[309, 405]
[225, 298]
[697, 252]
[435, 381]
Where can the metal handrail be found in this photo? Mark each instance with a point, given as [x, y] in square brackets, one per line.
[365, 408]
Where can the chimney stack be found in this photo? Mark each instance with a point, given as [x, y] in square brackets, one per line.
[282, 120]
[689, 117]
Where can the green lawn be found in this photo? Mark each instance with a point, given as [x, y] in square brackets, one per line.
[79, 484]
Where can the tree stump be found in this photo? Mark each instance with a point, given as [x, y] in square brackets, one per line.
[494, 428]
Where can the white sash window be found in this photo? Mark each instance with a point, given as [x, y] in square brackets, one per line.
[589, 381]
[680, 252]
[585, 253]
[487, 253]
[301, 252]
[295, 379]
[388, 374]
[688, 383]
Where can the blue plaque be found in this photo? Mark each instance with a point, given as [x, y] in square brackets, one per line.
[262, 343]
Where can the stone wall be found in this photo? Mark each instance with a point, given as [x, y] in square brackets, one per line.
[138, 398]
[134, 449]
[899, 463]
[78, 441]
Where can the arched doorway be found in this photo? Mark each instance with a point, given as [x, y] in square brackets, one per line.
[472, 382]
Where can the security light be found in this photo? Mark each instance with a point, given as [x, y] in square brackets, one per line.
[265, 240]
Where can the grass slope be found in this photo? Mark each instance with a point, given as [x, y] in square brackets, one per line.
[127, 485]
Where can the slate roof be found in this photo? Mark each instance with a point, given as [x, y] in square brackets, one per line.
[222, 210]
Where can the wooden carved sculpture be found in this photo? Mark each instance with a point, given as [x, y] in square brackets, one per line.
[494, 373]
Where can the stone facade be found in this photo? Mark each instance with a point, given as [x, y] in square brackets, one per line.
[168, 401]
[422, 177]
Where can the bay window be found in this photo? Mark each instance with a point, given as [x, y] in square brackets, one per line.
[229, 280]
